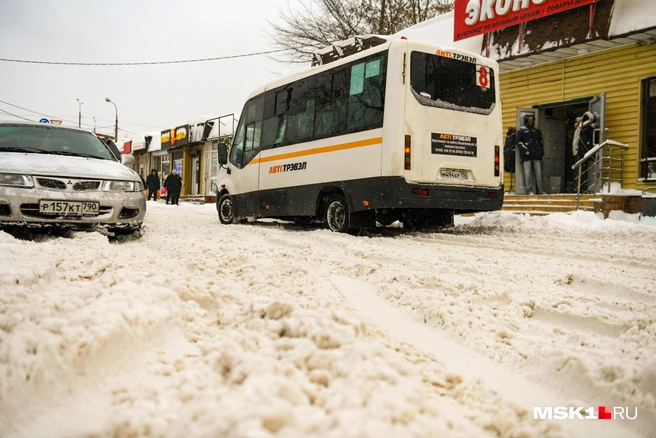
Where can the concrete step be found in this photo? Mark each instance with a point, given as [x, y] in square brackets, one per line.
[512, 202]
[545, 209]
[563, 197]
[545, 204]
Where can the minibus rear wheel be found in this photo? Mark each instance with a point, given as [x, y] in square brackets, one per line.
[226, 209]
[336, 214]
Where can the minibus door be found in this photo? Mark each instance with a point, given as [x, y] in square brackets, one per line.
[244, 168]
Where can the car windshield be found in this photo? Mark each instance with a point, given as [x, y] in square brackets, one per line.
[51, 140]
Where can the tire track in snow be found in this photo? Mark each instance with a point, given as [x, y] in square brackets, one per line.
[469, 364]
[518, 245]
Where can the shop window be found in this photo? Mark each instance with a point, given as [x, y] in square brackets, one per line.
[166, 169]
[648, 156]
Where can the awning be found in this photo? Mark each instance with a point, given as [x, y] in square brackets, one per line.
[565, 102]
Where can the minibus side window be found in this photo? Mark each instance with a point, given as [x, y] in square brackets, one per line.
[247, 139]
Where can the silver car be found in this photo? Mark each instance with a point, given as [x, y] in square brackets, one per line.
[67, 178]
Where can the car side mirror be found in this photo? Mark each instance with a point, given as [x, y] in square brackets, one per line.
[223, 154]
[127, 160]
[114, 150]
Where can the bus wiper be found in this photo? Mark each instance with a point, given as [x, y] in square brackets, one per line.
[22, 149]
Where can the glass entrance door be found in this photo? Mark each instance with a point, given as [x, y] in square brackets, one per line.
[195, 175]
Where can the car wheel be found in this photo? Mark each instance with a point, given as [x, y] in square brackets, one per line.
[336, 214]
[226, 209]
[123, 234]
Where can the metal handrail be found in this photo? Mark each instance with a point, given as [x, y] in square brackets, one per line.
[596, 148]
[646, 190]
[588, 155]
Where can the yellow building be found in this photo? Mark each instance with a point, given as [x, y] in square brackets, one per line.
[618, 72]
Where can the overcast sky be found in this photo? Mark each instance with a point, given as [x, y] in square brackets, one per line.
[148, 98]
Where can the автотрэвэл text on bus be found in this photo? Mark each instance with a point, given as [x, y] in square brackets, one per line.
[402, 131]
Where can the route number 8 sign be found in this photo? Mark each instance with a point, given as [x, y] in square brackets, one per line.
[482, 76]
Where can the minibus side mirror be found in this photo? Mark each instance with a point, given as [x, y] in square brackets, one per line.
[223, 154]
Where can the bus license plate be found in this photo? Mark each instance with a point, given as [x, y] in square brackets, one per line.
[454, 174]
[70, 208]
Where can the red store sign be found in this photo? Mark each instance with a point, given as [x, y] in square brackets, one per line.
[475, 17]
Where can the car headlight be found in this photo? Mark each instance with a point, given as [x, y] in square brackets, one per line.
[13, 180]
[122, 186]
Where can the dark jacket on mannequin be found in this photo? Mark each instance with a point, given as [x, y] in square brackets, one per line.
[529, 139]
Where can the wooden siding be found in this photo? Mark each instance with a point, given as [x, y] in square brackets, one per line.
[617, 72]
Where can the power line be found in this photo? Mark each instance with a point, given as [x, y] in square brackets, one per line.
[142, 63]
[68, 121]
[31, 111]
[51, 117]
[14, 115]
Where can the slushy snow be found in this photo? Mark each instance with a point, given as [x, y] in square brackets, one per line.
[257, 330]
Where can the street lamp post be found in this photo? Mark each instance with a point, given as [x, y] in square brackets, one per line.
[107, 99]
[79, 113]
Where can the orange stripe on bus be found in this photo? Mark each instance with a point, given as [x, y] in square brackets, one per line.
[323, 150]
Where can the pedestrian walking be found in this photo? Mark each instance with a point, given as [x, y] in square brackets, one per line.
[152, 183]
[173, 184]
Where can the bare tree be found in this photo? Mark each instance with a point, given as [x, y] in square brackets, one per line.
[315, 24]
[386, 17]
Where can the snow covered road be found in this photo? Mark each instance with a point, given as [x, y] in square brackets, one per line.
[199, 329]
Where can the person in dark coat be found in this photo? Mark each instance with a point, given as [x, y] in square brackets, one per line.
[531, 152]
[173, 184]
[152, 183]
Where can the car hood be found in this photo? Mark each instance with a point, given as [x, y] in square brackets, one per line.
[64, 166]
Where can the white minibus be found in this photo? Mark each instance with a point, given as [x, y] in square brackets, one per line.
[402, 131]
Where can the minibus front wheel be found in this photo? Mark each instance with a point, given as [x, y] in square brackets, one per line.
[226, 209]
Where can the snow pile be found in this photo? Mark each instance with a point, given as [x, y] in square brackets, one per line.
[200, 329]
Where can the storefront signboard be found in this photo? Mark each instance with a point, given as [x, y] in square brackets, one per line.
[475, 17]
[176, 137]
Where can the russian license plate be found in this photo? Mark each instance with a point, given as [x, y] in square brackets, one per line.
[454, 174]
[69, 208]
